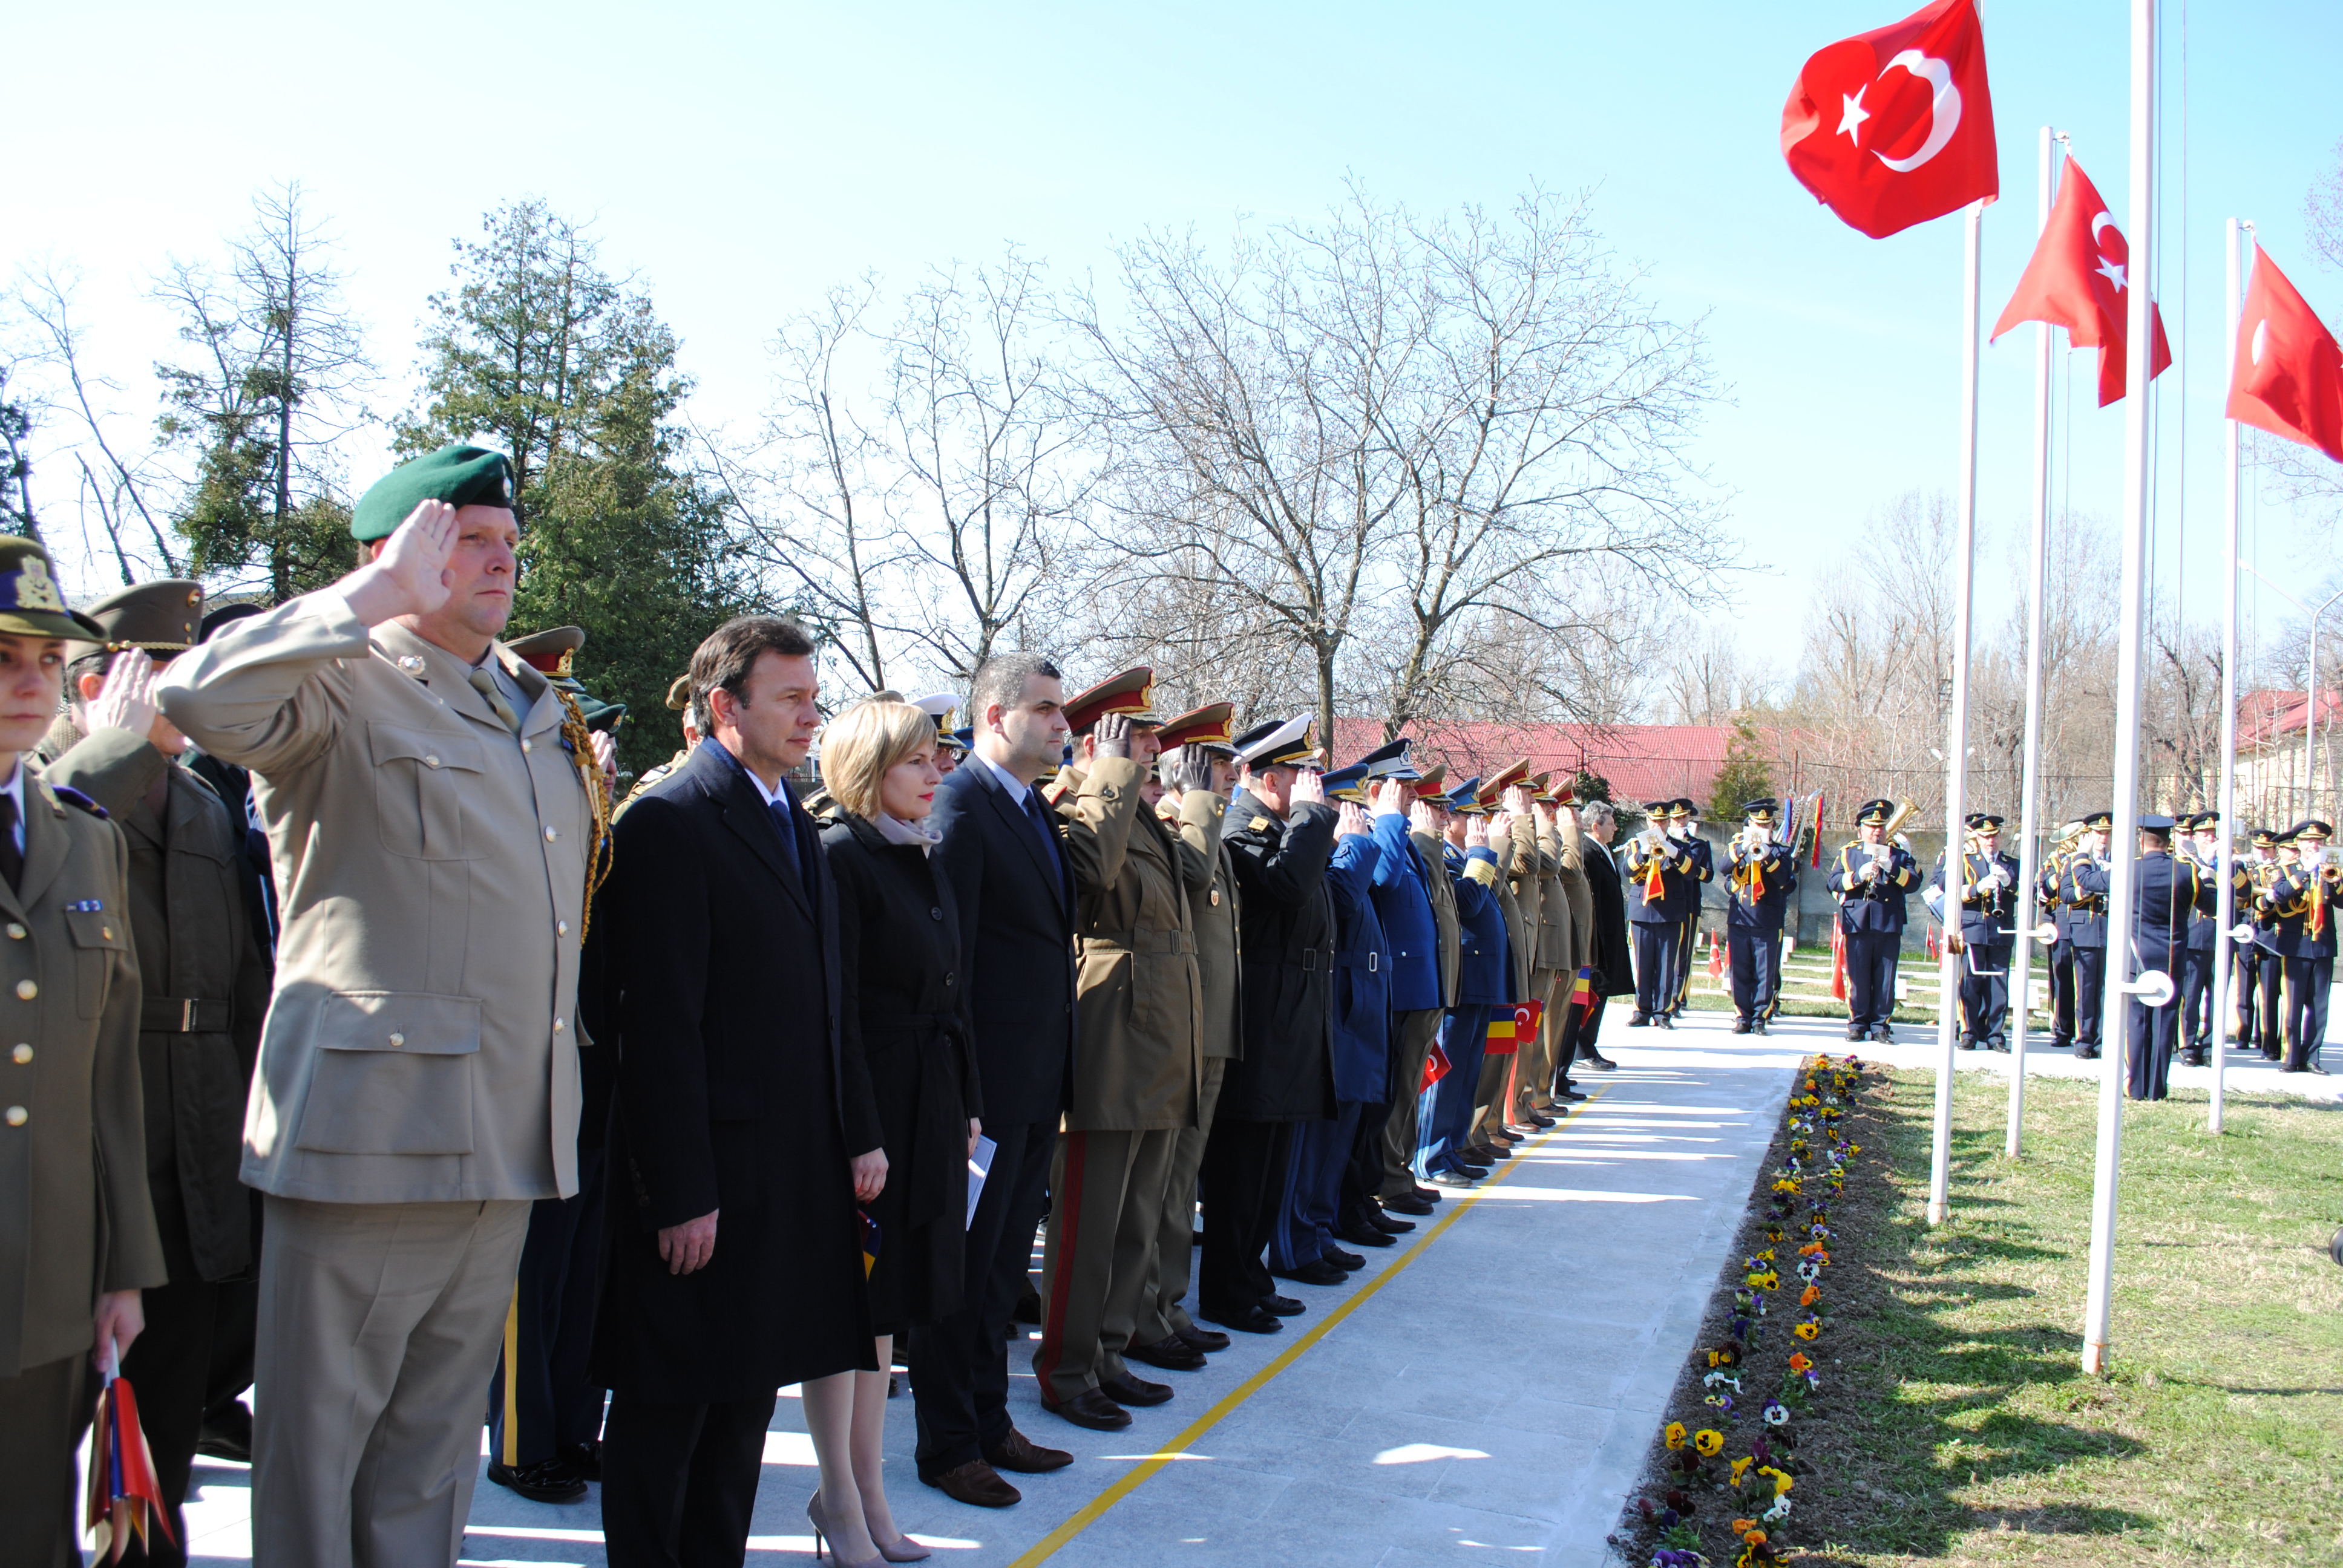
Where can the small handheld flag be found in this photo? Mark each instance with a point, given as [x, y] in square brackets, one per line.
[125, 1495]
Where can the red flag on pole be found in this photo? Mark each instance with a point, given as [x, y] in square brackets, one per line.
[1838, 960]
[2289, 376]
[1895, 126]
[2076, 280]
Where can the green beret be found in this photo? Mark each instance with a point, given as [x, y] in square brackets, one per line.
[30, 604]
[459, 475]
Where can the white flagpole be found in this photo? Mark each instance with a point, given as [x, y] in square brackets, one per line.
[2223, 946]
[1956, 743]
[2021, 955]
[2115, 1012]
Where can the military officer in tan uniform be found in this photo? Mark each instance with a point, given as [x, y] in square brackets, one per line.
[1512, 836]
[1197, 759]
[432, 813]
[1561, 888]
[77, 1240]
[1139, 1005]
[206, 974]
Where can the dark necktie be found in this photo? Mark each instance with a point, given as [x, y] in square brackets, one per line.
[1039, 815]
[785, 824]
[12, 859]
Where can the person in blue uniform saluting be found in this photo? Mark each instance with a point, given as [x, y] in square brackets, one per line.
[1872, 880]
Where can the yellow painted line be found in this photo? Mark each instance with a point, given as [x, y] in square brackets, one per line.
[1096, 1508]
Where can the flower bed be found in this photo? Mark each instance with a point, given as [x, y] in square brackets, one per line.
[1731, 1444]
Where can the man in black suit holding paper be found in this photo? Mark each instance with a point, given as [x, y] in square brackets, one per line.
[1008, 868]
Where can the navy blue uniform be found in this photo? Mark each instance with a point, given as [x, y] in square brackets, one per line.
[2169, 894]
[2305, 946]
[1871, 915]
[1483, 983]
[2261, 973]
[2196, 975]
[1758, 886]
[1988, 930]
[2083, 892]
[1657, 924]
[1687, 903]
[2060, 959]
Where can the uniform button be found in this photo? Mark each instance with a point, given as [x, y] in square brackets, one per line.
[21, 1055]
[936, 913]
[396, 1038]
[431, 762]
[952, 977]
[559, 1024]
[28, 989]
[105, 932]
[15, 931]
[561, 927]
[523, 747]
[17, 1116]
[550, 835]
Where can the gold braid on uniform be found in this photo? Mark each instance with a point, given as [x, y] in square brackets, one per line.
[580, 741]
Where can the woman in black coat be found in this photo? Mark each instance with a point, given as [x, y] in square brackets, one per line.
[904, 1019]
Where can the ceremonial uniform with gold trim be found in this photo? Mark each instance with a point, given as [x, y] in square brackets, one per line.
[1661, 874]
[2305, 899]
[1986, 922]
[1872, 911]
[1759, 882]
[2083, 889]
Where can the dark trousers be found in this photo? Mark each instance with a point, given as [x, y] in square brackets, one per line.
[2261, 999]
[2152, 1033]
[177, 1366]
[1244, 1171]
[1985, 997]
[543, 1401]
[2307, 980]
[1311, 1205]
[2196, 979]
[1657, 944]
[960, 1366]
[43, 1411]
[2090, 992]
[2062, 992]
[1576, 1041]
[1414, 1034]
[1448, 1127]
[1871, 976]
[1363, 1171]
[680, 1481]
[1755, 960]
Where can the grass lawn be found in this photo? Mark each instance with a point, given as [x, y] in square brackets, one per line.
[1957, 1425]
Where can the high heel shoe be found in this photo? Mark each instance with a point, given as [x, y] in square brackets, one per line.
[821, 1523]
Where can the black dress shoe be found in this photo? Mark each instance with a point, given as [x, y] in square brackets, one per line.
[1426, 1194]
[1665, 1020]
[1487, 1154]
[1020, 1452]
[1640, 1021]
[1882, 1034]
[2270, 1055]
[1246, 1320]
[1028, 1305]
[2192, 1056]
[1281, 1306]
[1131, 1389]
[1857, 1035]
[1170, 1352]
[1740, 1026]
[1342, 1260]
[1470, 1171]
[1758, 1027]
[1599, 1063]
[226, 1432]
[585, 1459]
[1317, 1271]
[1407, 1204]
[1203, 1341]
[2312, 1066]
[2086, 1053]
[1389, 1226]
[1363, 1234]
[1968, 1043]
[1572, 1095]
[1091, 1408]
[975, 1483]
[547, 1481]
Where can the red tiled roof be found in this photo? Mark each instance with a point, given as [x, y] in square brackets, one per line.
[2265, 718]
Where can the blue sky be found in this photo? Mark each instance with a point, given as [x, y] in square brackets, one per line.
[739, 158]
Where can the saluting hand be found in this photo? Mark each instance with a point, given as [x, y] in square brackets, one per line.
[1421, 820]
[1307, 791]
[1350, 822]
[126, 701]
[1391, 797]
[1516, 800]
[409, 576]
[1476, 832]
[1112, 736]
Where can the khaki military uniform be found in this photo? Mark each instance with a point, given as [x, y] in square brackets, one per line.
[1212, 910]
[1562, 887]
[1421, 1030]
[1517, 892]
[1139, 1004]
[75, 1219]
[418, 1084]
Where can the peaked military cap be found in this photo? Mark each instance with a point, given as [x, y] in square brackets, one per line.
[548, 652]
[1465, 799]
[2313, 830]
[1658, 810]
[2155, 823]
[1515, 773]
[458, 474]
[1390, 761]
[2265, 838]
[165, 617]
[678, 692]
[1128, 693]
[964, 737]
[1875, 813]
[1208, 726]
[1428, 786]
[1979, 821]
[2098, 822]
[30, 604]
[1760, 811]
[1686, 810]
[1346, 783]
[1278, 744]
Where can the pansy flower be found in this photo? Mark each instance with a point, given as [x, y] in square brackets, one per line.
[1799, 1362]
[1710, 1443]
[1806, 1330]
[1776, 1413]
[1675, 1429]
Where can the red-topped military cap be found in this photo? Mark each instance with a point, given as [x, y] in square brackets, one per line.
[1211, 725]
[1130, 693]
[550, 652]
[1434, 783]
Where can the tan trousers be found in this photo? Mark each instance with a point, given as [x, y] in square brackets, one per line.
[379, 1327]
[1417, 1030]
[1161, 1313]
[1106, 1208]
[1534, 1073]
[44, 1412]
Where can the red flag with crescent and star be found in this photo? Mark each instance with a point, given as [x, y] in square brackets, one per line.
[1895, 126]
[2077, 280]
[2290, 375]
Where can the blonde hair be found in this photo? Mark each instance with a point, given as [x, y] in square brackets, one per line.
[862, 743]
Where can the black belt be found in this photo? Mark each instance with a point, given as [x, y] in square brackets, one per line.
[185, 1015]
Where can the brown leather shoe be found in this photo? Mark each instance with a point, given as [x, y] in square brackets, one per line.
[1021, 1454]
[976, 1483]
[1091, 1409]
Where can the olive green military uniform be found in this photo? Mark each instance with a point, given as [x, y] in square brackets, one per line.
[1517, 892]
[75, 1219]
[419, 1077]
[1562, 886]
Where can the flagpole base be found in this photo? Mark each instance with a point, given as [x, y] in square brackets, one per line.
[2094, 1358]
[1939, 1212]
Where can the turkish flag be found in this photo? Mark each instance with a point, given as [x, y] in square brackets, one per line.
[1895, 126]
[2289, 376]
[2077, 280]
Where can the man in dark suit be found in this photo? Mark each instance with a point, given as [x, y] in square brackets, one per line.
[1606, 955]
[1007, 864]
[735, 1255]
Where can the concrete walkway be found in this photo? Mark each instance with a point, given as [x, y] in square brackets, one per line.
[1486, 1393]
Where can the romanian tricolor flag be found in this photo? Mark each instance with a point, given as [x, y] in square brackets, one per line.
[1581, 992]
[1502, 1041]
[126, 1496]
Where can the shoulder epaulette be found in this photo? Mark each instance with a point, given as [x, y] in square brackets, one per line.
[72, 796]
[1256, 825]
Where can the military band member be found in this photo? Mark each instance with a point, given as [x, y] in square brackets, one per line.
[77, 1216]
[2083, 889]
[2305, 897]
[2167, 891]
[951, 744]
[2202, 847]
[1873, 879]
[1760, 876]
[434, 815]
[2059, 961]
[1660, 869]
[2260, 971]
[1986, 928]
[1684, 824]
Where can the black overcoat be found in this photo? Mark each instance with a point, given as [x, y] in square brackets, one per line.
[732, 1097]
[904, 1022]
[1607, 955]
[1286, 1073]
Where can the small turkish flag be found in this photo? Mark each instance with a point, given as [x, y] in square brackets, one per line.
[2077, 279]
[1895, 126]
[2289, 376]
